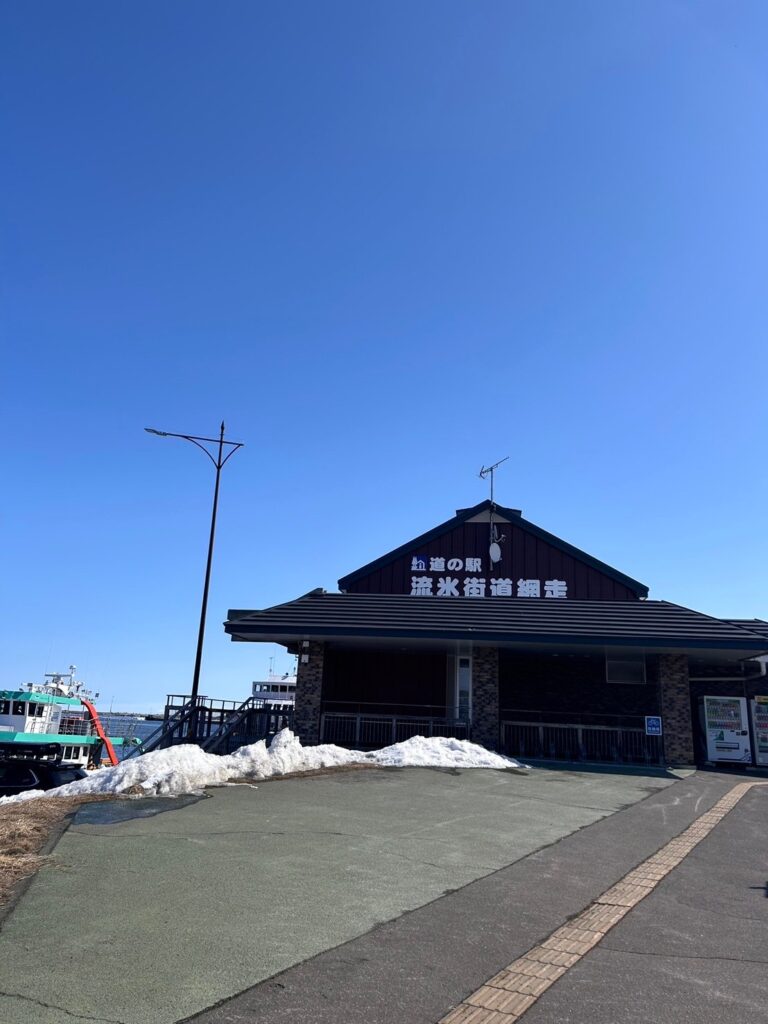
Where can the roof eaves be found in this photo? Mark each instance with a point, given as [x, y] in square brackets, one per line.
[740, 624]
[755, 627]
[493, 636]
[241, 614]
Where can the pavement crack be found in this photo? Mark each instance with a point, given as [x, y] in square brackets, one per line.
[679, 956]
[62, 1009]
[718, 911]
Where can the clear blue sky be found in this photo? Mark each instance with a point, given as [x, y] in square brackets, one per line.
[386, 242]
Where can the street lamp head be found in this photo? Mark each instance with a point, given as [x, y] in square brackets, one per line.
[160, 433]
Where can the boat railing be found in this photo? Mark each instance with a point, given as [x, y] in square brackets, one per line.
[38, 725]
[74, 727]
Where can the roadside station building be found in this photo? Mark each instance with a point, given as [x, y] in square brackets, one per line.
[490, 628]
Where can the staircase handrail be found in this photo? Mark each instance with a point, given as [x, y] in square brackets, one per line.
[167, 728]
[216, 739]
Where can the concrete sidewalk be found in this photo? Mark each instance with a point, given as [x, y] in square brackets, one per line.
[695, 951]
[414, 969]
[150, 918]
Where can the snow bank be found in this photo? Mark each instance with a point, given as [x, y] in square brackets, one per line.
[439, 752]
[188, 769]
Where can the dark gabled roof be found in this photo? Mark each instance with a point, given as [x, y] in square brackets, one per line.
[651, 624]
[463, 514]
[759, 626]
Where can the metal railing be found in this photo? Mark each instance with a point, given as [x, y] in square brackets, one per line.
[250, 722]
[376, 730]
[75, 727]
[218, 726]
[178, 701]
[579, 741]
[173, 729]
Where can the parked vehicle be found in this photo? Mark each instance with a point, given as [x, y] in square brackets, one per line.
[22, 775]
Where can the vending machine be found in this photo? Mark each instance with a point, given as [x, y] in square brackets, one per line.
[726, 729]
[759, 709]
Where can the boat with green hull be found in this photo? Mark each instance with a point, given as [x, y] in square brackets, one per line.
[57, 716]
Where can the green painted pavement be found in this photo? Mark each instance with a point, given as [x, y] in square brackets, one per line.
[150, 919]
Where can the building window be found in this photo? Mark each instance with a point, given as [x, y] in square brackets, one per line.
[626, 667]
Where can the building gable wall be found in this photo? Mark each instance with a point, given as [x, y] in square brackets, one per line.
[524, 556]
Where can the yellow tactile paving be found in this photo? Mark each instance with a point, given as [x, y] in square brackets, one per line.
[522, 982]
[505, 997]
[500, 999]
[534, 969]
[625, 894]
[466, 1014]
[601, 917]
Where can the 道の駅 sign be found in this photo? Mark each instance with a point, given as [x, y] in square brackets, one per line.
[424, 585]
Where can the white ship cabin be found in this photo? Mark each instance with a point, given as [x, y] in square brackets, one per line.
[29, 718]
[276, 689]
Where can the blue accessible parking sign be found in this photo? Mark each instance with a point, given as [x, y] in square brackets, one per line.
[653, 725]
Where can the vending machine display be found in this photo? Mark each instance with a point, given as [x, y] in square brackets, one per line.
[726, 729]
[759, 707]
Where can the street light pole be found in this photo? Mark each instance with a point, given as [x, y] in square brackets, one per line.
[219, 461]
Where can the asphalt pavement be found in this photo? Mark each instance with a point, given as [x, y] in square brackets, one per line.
[695, 951]
[151, 911]
[414, 969]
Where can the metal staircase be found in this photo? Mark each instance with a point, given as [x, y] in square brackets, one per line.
[217, 726]
[248, 724]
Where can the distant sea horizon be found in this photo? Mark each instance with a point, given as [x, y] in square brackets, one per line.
[128, 724]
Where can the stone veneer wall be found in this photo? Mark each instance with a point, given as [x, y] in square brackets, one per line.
[309, 690]
[676, 708]
[485, 696]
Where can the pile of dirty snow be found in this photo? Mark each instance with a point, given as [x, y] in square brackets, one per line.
[188, 769]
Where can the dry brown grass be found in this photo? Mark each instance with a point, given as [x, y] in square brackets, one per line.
[24, 830]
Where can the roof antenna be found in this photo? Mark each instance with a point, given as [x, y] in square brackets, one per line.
[494, 548]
